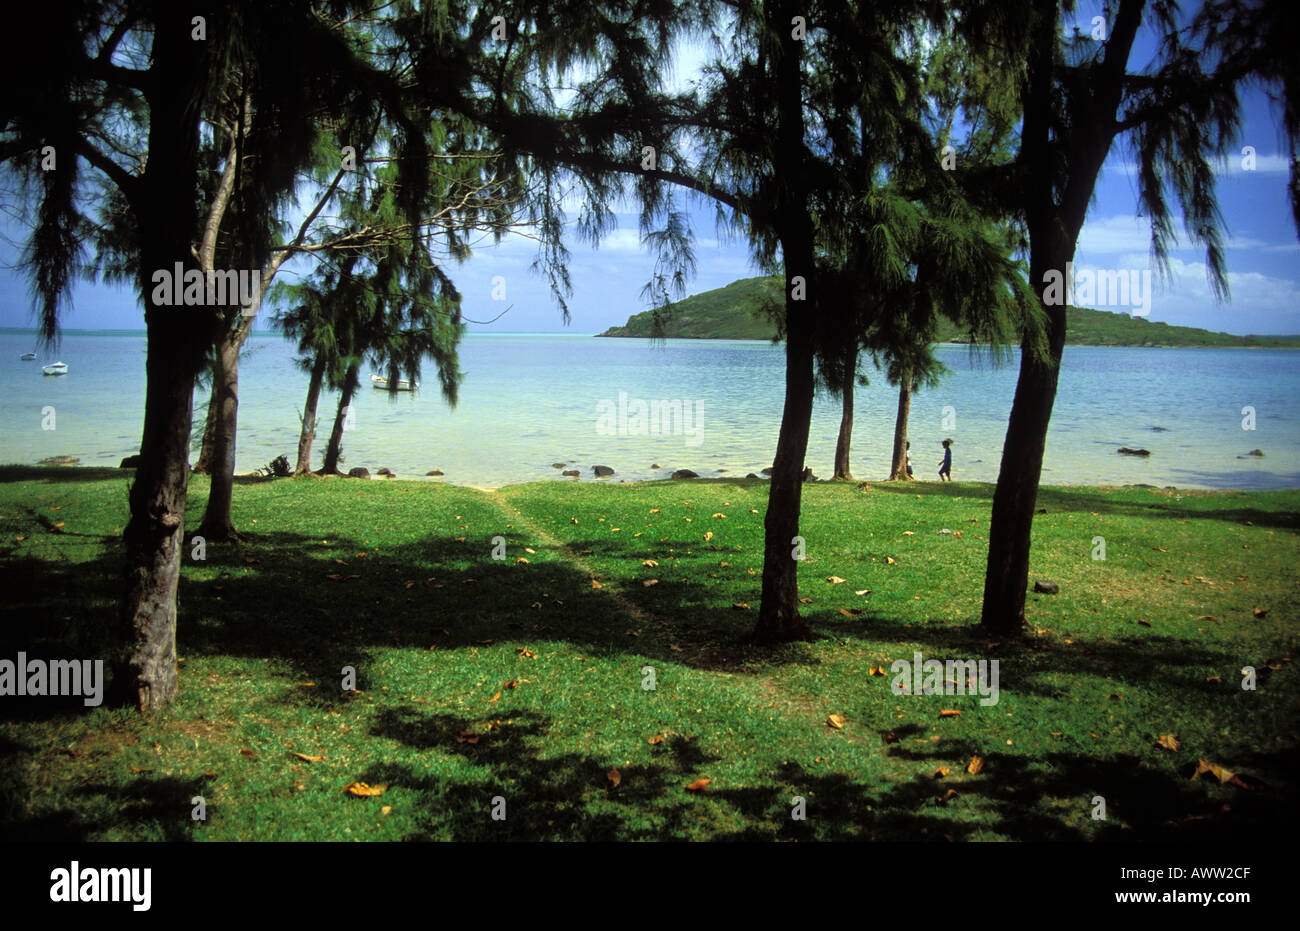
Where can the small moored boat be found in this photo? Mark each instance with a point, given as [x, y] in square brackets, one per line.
[380, 381]
[55, 368]
[28, 356]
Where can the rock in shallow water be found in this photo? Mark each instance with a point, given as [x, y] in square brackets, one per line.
[60, 461]
[573, 472]
[685, 473]
[602, 471]
[359, 472]
[1125, 451]
[434, 472]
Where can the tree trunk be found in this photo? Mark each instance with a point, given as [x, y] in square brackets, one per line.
[898, 467]
[207, 451]
[845, 441]
[335, 448]
[308, 431]
[1006, 577]
[1054, 223]
[177, 337]
[778, 616]
[216, 523]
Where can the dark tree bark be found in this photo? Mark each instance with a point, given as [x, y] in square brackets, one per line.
[177, 337]
[845, 441]
[308, 432]
[778, 616]
[335, 448]
[216, 523]
[207, 451]
[1006, 577]
[1054, 224]
[898, 466]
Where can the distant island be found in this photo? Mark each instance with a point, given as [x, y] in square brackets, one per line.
[742, 310]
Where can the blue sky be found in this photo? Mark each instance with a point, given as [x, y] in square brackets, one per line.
[1262, 251]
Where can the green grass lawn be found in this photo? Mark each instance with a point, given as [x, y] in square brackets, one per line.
[523, 678]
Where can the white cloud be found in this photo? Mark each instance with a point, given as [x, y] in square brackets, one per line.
[1233, 165]
[1130, 234]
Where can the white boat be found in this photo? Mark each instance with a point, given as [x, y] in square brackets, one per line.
[55, 368]
[380, 381]
[28, 356]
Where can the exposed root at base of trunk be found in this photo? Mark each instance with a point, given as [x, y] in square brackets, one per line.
[224, 533]
[803, 633]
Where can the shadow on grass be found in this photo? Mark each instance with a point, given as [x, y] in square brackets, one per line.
[78, 474]
[1149, 502]
[283, 596]
[567, 796]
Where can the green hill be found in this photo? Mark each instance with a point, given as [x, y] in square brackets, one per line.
[734, 312]
[741, 311]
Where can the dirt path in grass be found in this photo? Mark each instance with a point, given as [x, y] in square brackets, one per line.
[639, 616]
[729, 658]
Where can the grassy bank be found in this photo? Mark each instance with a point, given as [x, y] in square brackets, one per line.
[523, 678]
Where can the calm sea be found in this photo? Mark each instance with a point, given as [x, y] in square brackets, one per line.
[531, 400]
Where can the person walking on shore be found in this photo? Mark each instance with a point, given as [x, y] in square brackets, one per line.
[945, 467]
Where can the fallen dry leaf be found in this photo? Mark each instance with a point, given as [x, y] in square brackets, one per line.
[698, 785]
[976, 765]
[1167, 742]
[493, 698]
[836, 721]
[309, 759]
[835, 579]
[656, 739]
[940, 773]
[525, 653]
[889, 560]
[863, 591]
[805, 601]
[1261, 612]
[648, 582]
[248, 753]
[652, 563]
[614, 777]
[595, 584]
[851, 612]
[1214, 769]
[949, 713]
[361, 790]
[741, 605]
[386, 809]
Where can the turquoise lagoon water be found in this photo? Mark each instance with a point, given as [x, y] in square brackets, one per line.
[531, 400]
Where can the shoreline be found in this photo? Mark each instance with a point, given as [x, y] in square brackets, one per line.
[248, 478]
